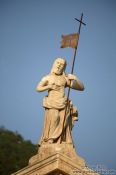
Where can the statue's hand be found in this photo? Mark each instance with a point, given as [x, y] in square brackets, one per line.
[72, 77]
[75, 83]
[53, 87]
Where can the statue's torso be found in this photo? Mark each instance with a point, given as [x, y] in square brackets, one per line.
[56, 97]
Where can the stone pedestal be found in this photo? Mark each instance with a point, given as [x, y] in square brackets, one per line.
[56, 159]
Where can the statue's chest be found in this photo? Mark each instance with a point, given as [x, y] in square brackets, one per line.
[58, 80]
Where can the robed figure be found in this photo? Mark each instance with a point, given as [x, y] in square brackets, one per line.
[58, 121]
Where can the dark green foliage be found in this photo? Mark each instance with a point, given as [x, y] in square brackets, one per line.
[14, 151]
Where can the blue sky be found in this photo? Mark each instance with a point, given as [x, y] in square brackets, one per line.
[30, 35]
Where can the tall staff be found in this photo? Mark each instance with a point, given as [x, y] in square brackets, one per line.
[71, 40]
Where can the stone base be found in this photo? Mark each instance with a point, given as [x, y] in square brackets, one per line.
[56, 159]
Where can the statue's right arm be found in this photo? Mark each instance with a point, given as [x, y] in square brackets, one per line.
[42, 85]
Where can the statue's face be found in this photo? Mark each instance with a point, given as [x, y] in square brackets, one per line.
[59, 66]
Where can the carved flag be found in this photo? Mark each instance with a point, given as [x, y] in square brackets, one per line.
[70, 40]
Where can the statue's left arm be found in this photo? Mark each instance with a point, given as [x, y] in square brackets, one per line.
[74, 82]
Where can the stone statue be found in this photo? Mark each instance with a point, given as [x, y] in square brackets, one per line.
[56, 153]
[57, 125]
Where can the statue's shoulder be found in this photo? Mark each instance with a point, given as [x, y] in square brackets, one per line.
[46, 77]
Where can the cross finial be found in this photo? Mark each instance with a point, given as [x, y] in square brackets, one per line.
[81, 22]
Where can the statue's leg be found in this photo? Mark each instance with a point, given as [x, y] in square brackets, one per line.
[51, 123]
[56, 135]
[45, 134]
[54, 123]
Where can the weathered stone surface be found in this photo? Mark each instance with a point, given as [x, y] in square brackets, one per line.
[47, 150]
[60, 113]
[54, 159]
[56, 154]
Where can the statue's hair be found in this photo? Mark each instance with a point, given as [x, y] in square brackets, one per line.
[59, 58]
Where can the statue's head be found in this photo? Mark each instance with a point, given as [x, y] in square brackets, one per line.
[59, 66]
